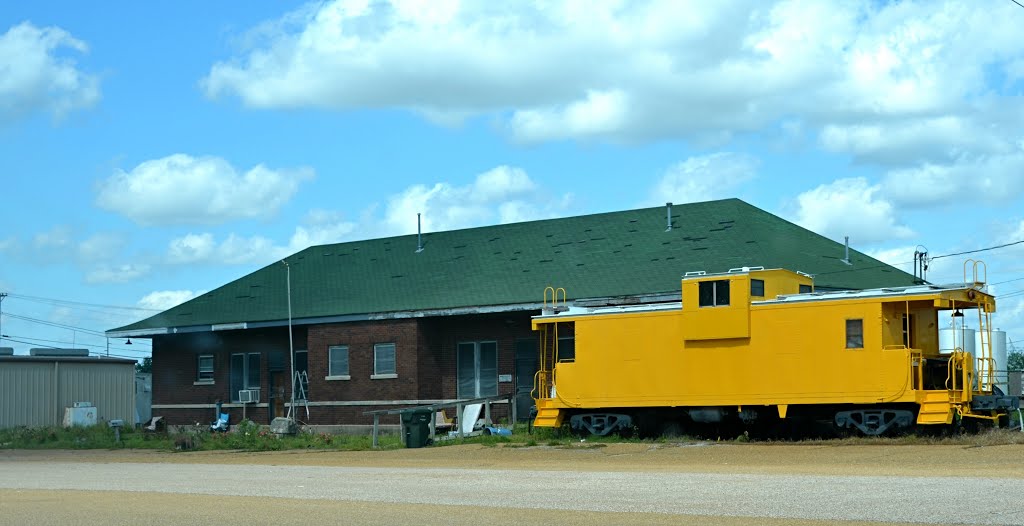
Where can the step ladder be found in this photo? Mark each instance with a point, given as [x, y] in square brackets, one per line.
[300, 383]
[936, 408]
[548, 416]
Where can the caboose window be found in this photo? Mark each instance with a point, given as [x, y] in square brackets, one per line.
[757, 287]
[854, 334]
[713, 293]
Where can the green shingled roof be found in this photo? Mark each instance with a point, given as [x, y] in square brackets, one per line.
[593, 256]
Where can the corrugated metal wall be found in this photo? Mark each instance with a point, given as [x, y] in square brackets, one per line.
[35, 394]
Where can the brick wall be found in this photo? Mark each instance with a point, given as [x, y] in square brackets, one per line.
[425, 360]
[175, 369]
[360, 337]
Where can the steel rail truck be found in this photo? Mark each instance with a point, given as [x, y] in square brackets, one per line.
[759, 348]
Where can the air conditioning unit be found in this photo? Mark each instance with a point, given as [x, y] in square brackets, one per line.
[249, 396]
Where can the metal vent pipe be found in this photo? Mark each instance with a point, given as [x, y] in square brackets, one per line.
[419, 233]
[668, 217]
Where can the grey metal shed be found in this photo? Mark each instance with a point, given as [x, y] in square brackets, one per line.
[35, 390]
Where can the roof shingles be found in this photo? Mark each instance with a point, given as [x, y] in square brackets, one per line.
[600, 255]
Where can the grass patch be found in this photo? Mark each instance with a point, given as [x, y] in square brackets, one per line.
[249, 436]
[95, 437]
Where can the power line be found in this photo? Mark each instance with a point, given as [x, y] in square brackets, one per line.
[76, 344]
[980, 249]
[58, 325]
[55, 301]
[55, 324]
[930, 259]
[1018, 3]
[51, 347]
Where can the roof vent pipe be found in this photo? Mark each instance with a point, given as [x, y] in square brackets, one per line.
[668, 217]
[846, 256]
[419, 234]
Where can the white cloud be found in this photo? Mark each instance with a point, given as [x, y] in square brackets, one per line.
[996, 177]
[233, 250]
[620, 69]
[191, 248]
[180, 189]
[99, 247]
[37, 77]
[904, 85]
[704, 178]
[321, 227]
[58, 238]
[501, 195]
[850, 207]
[165, 299]
[107, 274]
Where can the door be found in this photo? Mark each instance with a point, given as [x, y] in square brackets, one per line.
[526, 368]
[278, 394]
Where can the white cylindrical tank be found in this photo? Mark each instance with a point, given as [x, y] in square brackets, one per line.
[998, 355]
[959, 337]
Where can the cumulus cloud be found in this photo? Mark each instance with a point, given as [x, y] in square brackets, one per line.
[502, 195]
[107, 274]
[38, 77]
[181, 189]
[997, 177]
[101, 246]
[850, 207]
[165, 299]
[704, 178]
[909, 86]
[613, 68]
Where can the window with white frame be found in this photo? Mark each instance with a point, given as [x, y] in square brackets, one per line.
[337, 361]
[245, 373]
[204, 368]
[477, 369]
[384, 363]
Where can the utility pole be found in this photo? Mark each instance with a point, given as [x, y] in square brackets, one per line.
[2, 296]
[291, 344]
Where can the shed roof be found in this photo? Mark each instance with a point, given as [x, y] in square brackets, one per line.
[614, 254]
[21, 358]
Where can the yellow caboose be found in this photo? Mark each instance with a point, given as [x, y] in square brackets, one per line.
[754, 346]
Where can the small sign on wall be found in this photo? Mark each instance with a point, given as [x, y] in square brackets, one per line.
[504, 378]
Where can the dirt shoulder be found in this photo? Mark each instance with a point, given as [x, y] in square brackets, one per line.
[820, 459]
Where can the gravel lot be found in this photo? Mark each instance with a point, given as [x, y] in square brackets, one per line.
[621, 483]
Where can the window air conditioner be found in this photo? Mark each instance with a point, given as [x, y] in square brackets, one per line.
[249, 396]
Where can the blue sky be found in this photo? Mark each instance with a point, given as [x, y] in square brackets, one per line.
[153, 151]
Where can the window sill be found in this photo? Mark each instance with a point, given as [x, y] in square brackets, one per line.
[383, 376]
[340, 377]
[203, 382]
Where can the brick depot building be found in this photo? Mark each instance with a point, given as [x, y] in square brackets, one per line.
[391, 322]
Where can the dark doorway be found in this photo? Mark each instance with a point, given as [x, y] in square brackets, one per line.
[526, 368]
[277, 385]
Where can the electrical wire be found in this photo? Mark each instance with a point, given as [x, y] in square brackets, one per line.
[75, 344]
[884, 265]
[58, 325]
[51, 347]
[60, 302]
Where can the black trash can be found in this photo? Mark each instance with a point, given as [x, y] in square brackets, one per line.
[416, 426]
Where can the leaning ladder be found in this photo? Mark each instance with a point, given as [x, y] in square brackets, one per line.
[301, 381]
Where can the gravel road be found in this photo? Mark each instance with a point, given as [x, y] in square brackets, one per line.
[612, 496]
